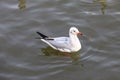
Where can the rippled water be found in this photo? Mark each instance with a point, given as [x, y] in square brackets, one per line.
[22, 57]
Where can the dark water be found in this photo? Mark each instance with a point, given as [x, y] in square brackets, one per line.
[22, 57]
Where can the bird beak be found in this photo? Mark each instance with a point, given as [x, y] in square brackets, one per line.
[79, 33]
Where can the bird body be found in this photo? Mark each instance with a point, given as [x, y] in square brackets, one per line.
[64, 44]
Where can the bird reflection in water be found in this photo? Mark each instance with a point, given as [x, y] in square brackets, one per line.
[48, 51]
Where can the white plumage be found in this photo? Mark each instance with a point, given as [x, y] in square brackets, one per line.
[64, 44]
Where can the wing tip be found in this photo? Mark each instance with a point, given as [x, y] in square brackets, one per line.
[41, 35]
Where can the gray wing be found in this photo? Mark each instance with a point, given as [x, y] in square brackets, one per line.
[60, 42]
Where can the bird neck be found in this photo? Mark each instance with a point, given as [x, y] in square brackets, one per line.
[74, 40]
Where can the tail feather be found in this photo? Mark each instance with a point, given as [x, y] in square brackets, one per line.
[42, 35]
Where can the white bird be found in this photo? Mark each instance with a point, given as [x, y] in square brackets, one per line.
[64, 44]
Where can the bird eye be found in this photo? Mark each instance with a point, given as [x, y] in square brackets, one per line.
[73, 30]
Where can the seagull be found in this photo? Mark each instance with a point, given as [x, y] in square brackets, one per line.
[63, 44]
